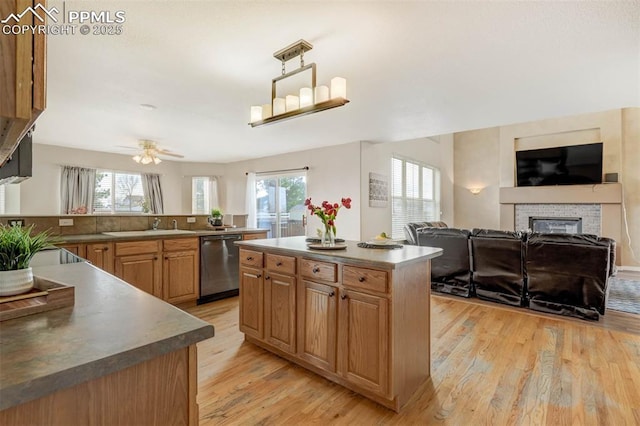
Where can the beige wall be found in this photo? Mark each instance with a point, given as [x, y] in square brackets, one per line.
[40, 194]
[476, 157]
[436, 151]
[617, 129]
[334, 172]
[630, 178]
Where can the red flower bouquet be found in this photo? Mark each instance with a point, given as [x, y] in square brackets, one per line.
[327, 213]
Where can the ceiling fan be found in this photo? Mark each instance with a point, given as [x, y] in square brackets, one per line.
[150, 152]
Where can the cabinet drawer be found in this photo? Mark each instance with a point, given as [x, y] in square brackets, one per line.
[322, 271]
[256, 236]
[137, 247]
[251, 258]
[180, 244]
[367, 279]
[282, 264]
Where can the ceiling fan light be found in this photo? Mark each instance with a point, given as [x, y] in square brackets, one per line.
[146, 159]
[156, 160]
[137, 158]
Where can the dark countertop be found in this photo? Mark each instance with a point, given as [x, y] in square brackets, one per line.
[112, 326]
[385, 258]
[95, 238]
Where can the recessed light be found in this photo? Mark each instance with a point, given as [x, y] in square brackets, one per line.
[148, 107]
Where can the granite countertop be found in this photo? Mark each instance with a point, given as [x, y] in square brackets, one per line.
[112, 326]
[90, 238]
[386, 258]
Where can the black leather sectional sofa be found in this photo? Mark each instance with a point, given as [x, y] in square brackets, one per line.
[557, 273]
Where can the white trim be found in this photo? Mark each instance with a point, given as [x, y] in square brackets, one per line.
[629, 268]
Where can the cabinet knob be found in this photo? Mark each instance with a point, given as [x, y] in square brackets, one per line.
[331, 294]
[259, 275]
[343, 297]
[315, 270]
[267, 277]
[165, 258]
[156, 258]
[249, 258]
[106, 249]
[279, 264]
[361, 279]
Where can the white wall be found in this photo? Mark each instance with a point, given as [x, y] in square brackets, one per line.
[40, 194]
[376, 157]
[334, 173]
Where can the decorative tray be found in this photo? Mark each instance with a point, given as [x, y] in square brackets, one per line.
[45, 295]
[338, 246]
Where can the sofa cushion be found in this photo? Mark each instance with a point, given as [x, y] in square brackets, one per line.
[567, 274]
[451, 272]
[498, 266]
[410, 230]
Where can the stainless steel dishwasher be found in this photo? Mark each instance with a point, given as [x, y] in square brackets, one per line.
[219, 265]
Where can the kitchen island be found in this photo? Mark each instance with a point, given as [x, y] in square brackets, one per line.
[357, 316]
[118, 356]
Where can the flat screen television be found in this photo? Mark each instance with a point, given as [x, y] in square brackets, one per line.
[564, 165]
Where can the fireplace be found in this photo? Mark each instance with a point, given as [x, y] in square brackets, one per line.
[556, 225]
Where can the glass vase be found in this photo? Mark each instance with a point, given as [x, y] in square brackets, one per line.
[328, 237]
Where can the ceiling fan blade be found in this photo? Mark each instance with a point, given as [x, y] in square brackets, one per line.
[171, 154]
[128, 147]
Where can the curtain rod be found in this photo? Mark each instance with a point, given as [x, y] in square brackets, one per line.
[280, 171]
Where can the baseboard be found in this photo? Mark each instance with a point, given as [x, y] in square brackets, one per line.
[629, 268]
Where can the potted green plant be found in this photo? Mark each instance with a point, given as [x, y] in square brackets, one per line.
[17, 248]
[216, 217]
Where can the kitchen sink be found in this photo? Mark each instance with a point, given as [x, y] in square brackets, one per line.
[148, 232]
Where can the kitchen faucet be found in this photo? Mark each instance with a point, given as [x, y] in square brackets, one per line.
[156, 222]
[175, 224]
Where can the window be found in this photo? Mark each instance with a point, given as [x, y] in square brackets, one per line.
[280, 204]
[204, 194]
[118, 192]
[2, 202]
[415, 193]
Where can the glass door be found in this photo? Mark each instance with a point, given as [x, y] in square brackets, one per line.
[280, 204]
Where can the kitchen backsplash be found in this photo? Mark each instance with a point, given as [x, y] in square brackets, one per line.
[94, 224]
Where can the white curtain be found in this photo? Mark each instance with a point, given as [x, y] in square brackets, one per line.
[250, 201]
[214, 202]
[153, 192]
[77, 186]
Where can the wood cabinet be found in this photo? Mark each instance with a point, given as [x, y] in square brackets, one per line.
[280, 311]
[363, 341]
[138, 263]
[251, 302]
[167, 269]
[22, 76]
[317, 324]
[180, 275]
[255, 236]
[100, 255]
[362, 325]
[77, 249]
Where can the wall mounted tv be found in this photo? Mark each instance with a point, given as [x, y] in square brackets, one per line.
[564, 165]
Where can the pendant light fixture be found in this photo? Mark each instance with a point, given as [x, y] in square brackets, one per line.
[308, 100]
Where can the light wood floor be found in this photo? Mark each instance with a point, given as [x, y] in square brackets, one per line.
[491, 365]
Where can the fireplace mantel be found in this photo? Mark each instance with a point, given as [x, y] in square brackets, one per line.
[608, 196]
[609, 193]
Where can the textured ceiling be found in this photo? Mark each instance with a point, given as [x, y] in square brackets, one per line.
[414, 69]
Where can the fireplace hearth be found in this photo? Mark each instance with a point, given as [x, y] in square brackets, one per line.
[556, 225]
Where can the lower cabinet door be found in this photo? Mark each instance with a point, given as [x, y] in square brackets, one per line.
[180, 276]
[100, 255]
[252, 302]
[317, 315]
[143, 271]
[363, 349]
[280, 311]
